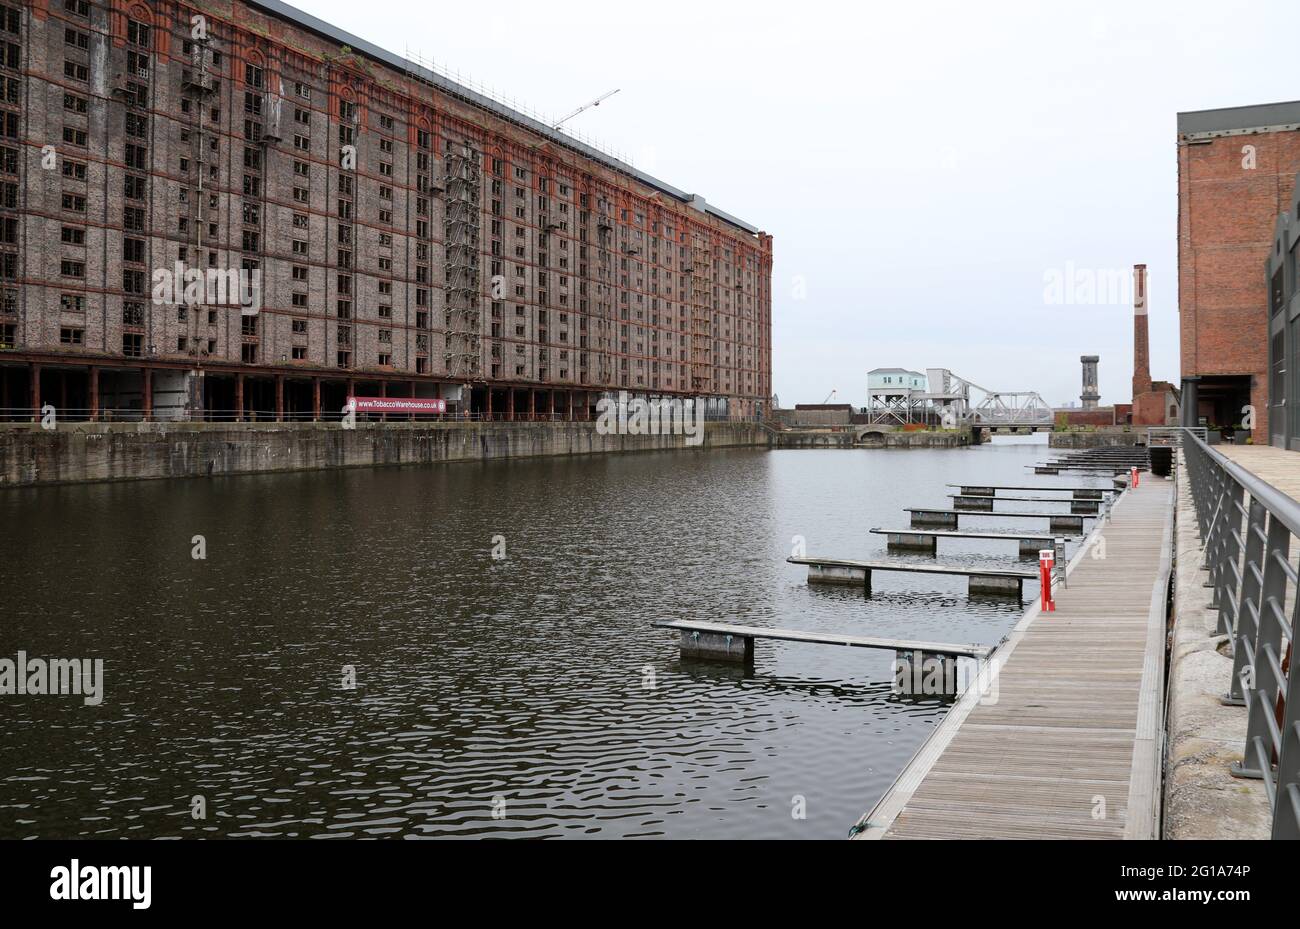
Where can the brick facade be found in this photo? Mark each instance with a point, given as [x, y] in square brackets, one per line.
[457, 247]
[1236, 171]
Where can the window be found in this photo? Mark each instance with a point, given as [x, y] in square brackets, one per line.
[137, 94]
[137, 125]
[136, 157]
[137, 33]
[132, 344]
[71, 336]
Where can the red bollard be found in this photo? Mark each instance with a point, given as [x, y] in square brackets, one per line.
[1134, 477]
[1046, 561]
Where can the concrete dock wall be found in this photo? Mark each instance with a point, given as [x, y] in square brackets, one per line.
[88, 452]
[1107, 439]
[874, 437]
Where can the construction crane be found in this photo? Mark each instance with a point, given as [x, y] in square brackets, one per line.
[829, 397]
[586, 106]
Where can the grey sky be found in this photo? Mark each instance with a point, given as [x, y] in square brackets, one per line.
[923, 167]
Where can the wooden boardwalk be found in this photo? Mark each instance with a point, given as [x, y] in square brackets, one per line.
[1067, 740]
[1276, 466]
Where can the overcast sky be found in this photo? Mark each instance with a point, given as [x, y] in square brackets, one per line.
[927, 169]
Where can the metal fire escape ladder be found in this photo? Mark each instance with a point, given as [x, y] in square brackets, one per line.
[461, 228]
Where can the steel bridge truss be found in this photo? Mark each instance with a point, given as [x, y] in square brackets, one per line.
[948, 403]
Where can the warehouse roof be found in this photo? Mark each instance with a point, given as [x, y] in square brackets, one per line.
[1237, 119]
[319, 26]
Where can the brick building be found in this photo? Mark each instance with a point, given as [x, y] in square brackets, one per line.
[403, 235]
[1236, 176]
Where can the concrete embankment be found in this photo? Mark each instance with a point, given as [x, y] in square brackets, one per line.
[875, 437]
[1204, 737]
[88, 452]
[1104, 439]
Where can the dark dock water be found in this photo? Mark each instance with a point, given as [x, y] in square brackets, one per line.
[525, 696]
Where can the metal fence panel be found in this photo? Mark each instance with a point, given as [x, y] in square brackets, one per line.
[1246, 526]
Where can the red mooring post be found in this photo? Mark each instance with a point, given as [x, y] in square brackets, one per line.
[1046, 561]
[1134, 477]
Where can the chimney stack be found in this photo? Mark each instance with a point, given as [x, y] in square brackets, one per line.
[1141, 341]
[1090, 395]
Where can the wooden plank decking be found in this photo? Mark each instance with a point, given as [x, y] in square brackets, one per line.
[940, 511]
[911, 567]
[1067, 743]
[828, 638]
[996, 487]
[1277, 466]
[963, 534]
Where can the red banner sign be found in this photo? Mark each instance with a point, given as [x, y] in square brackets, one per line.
[396, 405]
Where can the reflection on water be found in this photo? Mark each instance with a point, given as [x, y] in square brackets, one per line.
[494, 698]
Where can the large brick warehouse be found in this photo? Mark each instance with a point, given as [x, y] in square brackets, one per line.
[408, 237]
[1236, 262]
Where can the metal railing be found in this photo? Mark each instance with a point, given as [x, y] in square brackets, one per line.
[1246, 526]
[254, 414]
[1172, 435]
